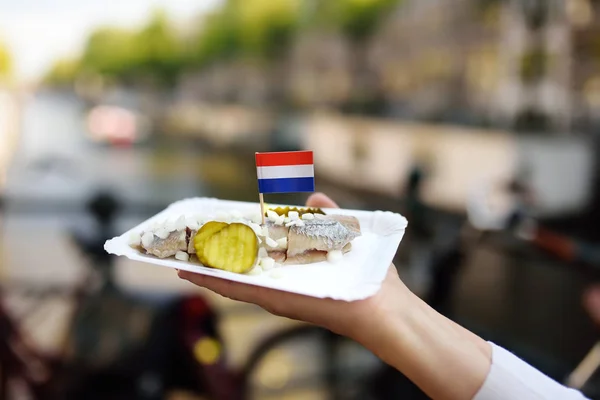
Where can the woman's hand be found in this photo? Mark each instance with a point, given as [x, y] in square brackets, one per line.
[445, 360]
[345, 318]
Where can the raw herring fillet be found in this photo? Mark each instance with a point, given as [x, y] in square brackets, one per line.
[312, 241]
[163, 248]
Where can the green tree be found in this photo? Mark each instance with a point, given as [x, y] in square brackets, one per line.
[357, 19]
[111, 52]
[153, 52]
[246, 28]
[6, 65]
[267, 26]
[63, 72]
[218, 38]
[157, 49]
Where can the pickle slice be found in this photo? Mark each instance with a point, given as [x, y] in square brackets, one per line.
[207, 230]
[233, 248]
[305, 210]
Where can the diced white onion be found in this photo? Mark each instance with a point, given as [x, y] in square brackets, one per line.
[267, 263]
[223, 216]
[163, 233]
[156, 225]
[180, 223]
[192, 223]
[308, 216]
[282, 243]
[135, 239]
[265, 231]
[297, 222]
[334, 256]
[293, 215]
[271, 242]
[147, 239]
[272, 215]
[255, 217]
[256, 271]
[256, 228]
[182, 256]
[262, 252]
[168, 225]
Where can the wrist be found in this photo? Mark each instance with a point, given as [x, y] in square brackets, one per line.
[384, 320]
[431, 350]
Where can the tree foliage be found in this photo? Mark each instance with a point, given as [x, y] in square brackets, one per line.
[153, 52]
[238, 29]
[357, 19]
[63, 72]
[5, 62]
[246, 28]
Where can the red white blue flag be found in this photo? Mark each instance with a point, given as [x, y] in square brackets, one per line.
[285, 172]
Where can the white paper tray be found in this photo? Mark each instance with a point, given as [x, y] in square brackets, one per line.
[358, 276]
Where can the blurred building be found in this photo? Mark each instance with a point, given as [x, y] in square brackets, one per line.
[584, 17]
[528, 65]
[475, 61]
[320, 73]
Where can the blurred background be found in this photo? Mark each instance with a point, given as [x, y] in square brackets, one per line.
[476, 119]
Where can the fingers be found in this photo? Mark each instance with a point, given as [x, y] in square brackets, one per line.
[320, 200]
[276, 302]
[230, 289]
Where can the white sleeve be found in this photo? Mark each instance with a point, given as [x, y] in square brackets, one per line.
[512, 378]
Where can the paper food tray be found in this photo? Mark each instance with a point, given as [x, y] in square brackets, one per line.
[357, 276]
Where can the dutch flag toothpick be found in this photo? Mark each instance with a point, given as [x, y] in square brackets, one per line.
[284, 172]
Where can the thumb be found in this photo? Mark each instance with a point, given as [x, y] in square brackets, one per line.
[319, 200]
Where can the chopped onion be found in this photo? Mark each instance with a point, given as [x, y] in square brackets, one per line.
[169, 226]
[163, 233]
[272, 215]
[282, 243]
[135, 239]
[267, 263]
[256, 228]
[182, 256]
[271, 243]
[256, 271]
[255, 217]
[180, 223]
[293, 215]
[147, 239]
[265, 231]
[223, 216]
[192, 223]
[334, 256]
[308, 216]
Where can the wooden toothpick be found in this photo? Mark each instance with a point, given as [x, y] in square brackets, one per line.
[262, 207]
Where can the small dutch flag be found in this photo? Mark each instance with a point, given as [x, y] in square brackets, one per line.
[285, 172]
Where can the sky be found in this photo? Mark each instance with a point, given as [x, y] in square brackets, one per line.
[38, 32]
